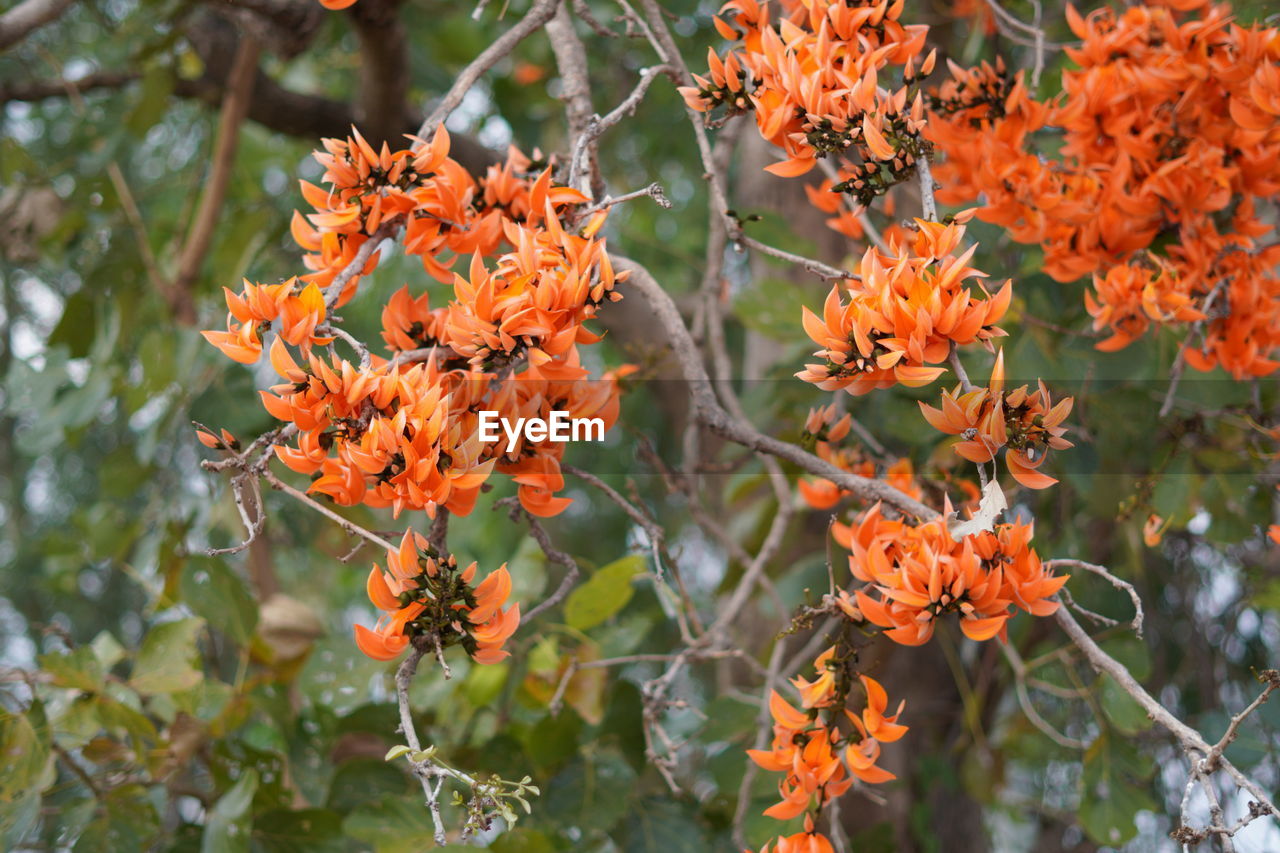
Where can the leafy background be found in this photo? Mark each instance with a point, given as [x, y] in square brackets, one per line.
[154, 698]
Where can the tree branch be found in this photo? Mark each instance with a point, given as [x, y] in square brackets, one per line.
[381, 110]
[28, 16]
[235, 106]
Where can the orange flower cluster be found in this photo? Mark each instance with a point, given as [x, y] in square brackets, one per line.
[903, 315]
[813, 79]
[403, 433]
[1028, 424]
[383, 436]
[919, 573]
[423, 594]
[297, 309]
[824, 747]
[443, 209]
[1170, 128]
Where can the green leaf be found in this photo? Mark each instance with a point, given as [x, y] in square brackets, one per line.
[24, 751]
[661, 826]
[592, 794]
[164, 661]
[79, 319]
[554, 739]
[79, 669]
[19, 817]
[357, 781]
[607, 592]
[126, 821]
[107, 649]
[1130, 651]
[153, 101]
[484, 683]
[214, 591]
[523, 840]
[229, 822]
[396, 751]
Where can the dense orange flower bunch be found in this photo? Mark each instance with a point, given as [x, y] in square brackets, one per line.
[916, 573]
[1027, 423]
[1170, 128]
[814, 79]
[424, 594]
[903, 315]
[403, 433]
[297, 309]
[822, 747]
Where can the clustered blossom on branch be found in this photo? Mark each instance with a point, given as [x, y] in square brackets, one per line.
[904, 314]
[1027, 423]
[821, 493]
[922, 572]
[402, 432]
[816, 83]
[1170, 145]
[822, 749]
[814, 80]
[423, 594]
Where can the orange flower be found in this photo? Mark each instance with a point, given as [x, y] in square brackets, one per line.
[903, 315]
[403, 434]
[224, 441]
[1169, 126]
[423, 594]
[815, 81]
[809, 841]
[920, 573]
[1152, 530]
[1026, 423]
[822, 749]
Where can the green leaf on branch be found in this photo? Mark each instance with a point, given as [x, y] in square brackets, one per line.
[230, 820]
[1124, 712]
[604, 594]
[164, 663]
[215, 592]
[390, 825]
[79, 669]
[24, 751]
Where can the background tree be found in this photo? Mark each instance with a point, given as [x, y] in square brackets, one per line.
[158, 698]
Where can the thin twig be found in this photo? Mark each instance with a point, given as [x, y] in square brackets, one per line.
[534, 19]
[653, 191]
[1116, 582]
